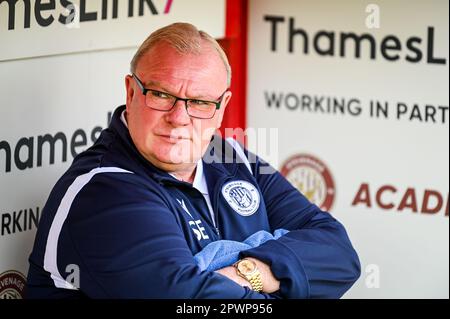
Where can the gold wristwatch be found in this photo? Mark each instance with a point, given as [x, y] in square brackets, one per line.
[248, 270]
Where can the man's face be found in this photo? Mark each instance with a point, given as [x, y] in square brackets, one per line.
[172, 140]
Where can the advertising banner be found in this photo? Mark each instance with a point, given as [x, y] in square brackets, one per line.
[358, 93]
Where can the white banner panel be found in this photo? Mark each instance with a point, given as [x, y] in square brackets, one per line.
[54, 106]
[36, 28]
[359, 94]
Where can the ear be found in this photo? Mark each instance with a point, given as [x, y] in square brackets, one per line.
[226, 99]
[130, 90]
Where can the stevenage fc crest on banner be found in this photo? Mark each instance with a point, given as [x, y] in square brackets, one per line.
[12, 285]
[242, 196]
[312, 178]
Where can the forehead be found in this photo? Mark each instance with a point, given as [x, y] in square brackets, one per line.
[164, 64]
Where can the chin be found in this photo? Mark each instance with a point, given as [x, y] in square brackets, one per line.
[174, 157]
[168, 154]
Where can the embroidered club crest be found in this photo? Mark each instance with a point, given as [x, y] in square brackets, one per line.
[242, 196]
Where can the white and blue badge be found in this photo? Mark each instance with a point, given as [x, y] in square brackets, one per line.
[242, 196]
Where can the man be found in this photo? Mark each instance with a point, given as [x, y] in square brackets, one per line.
[157, 187]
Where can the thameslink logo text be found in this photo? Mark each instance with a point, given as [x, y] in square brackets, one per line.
[46, 13]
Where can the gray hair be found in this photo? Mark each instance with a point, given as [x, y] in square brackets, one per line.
[185, 38]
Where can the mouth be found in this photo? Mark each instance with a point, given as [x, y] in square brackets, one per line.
[173, 138]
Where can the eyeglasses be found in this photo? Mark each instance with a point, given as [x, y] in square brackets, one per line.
[162, 101]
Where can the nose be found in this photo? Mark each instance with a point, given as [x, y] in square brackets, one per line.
[178, 116]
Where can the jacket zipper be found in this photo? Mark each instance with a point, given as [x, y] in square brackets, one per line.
[212, 217]
[216, 207]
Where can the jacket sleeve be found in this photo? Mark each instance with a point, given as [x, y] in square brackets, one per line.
[129, 244]
[316, 258]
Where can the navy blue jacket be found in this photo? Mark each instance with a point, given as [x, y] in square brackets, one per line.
[115, 226]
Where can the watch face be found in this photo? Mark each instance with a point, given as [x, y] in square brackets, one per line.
[246, 267]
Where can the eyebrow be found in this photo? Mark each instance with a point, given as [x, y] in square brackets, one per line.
[165, 90]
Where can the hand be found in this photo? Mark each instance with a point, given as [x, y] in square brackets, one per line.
[230, 273]
[270, 283]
